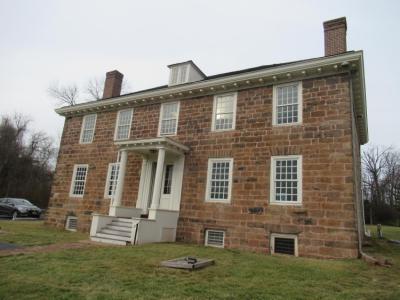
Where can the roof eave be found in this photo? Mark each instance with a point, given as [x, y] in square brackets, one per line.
[294, 71]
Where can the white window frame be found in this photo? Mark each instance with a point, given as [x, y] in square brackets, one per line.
[211, 245]
[71, 191]
[117, 124]
[234, 94]
[161, 118]
[299, 100]
[209, 173]
[83, 129]
[107, 186]
[179, 69]
[299, 180]
[285, 236]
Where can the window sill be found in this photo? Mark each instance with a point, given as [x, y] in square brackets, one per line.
[167, 135]
[286, 203]
[287, 124]
[218, 201]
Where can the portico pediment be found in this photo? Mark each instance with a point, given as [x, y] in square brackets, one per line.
[146, 145]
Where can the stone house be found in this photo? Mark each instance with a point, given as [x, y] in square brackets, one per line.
[265, 159]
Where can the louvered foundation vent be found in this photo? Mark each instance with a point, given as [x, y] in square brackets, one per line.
[72, 223]
[215, 238]
[284, 244]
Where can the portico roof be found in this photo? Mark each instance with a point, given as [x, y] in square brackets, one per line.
[144, 145]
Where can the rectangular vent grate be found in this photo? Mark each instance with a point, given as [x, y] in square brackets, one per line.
[215, 238]
[284, 245]
[72, 223]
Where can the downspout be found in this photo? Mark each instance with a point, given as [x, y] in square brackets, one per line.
[357, 208]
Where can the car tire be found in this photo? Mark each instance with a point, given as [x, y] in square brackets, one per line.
[14, 215]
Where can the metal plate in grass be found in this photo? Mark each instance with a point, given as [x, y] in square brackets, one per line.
[188, 263]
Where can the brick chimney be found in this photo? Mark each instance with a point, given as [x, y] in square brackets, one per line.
[335, 36]
[112, 85]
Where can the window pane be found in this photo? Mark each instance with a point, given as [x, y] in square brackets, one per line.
[168, 179]
[286, 180]
[169, 118]
[79, 180]
[224, 109]
[124, 124]
[287, 104]
[88, 126]
[112, 179]
[219, 180]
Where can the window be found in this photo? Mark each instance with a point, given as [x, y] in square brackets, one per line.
[112, 179]
[168, 179]
[215, 238]
[78, 181]
[284, 244]
[224, 112]
[88, 127]
[286, 180]
[123, 127]
[169, 118]
[219, 180]
[72, 223]
[287, 104]
[179, 74]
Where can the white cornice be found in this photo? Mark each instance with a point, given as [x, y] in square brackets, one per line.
[344, 63]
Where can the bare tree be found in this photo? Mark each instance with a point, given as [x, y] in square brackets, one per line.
[64, 94]
[381, 184]
[25, 161]
[69, 94]
[95, 87]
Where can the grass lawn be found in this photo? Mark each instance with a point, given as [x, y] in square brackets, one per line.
[134, 273]
[34, 233]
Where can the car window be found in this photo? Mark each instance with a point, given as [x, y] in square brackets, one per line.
[21, 201]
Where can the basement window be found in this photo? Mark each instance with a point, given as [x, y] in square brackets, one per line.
[72, 223]
[284, 244]
[215, 238]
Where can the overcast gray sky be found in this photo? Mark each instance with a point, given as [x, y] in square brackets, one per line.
[73, 41]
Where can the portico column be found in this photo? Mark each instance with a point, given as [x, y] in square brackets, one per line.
[155, 201]
[120, 183]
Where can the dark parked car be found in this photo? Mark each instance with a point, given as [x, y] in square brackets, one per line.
[15, 207]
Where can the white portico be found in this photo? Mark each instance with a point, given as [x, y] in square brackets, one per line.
[155, 216]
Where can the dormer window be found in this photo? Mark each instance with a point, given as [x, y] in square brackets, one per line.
[184, 72]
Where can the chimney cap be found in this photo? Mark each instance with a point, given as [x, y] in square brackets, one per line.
[335, 23]
[114, 73]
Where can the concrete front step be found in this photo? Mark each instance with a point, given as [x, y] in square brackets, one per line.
[124, 220]
[113, 237]
[108, 241]
[119, 228]
[107, 230]
[121, 224]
